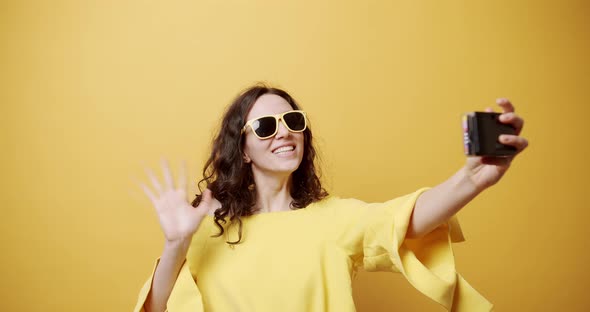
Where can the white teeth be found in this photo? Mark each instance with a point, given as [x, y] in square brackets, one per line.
[284, 149]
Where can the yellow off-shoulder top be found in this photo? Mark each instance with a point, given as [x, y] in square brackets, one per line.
[305, 259]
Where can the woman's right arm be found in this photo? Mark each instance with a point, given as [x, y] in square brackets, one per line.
[171, 261]
[179, 221]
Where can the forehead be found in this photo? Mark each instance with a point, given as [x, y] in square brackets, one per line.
[268, 104]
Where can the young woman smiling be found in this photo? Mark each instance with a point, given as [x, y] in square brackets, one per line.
[264, 235]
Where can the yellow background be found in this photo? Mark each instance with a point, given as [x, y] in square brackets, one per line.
[91, 92]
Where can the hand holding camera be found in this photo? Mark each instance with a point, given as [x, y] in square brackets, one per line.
[493, 140]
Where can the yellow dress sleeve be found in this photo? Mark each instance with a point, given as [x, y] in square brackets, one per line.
[427, 263]
[185, 295]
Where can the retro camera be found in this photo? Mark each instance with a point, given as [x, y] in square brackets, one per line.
[481, 131]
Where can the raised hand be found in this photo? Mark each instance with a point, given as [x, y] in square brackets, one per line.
[178, 219]
[487, 171]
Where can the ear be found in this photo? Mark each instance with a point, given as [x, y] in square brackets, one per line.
[246, 158]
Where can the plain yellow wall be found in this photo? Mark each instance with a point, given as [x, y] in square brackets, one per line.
[92, 91]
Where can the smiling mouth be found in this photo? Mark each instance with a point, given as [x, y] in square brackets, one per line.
[284, 149]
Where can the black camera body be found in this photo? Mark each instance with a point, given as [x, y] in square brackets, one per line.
[481, 131]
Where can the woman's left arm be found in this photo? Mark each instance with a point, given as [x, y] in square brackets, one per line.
[440, 203]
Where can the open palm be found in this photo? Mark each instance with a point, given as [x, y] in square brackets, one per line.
[178, 219]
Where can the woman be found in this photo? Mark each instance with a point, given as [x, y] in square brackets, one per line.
[265, 236]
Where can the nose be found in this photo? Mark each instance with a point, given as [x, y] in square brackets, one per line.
[282, 131]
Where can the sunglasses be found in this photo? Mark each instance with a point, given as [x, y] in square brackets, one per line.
[267, 126]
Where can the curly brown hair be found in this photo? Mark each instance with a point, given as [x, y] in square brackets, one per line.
[230, 179]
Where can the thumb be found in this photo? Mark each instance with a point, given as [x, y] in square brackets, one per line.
[206, 198]
[204, 205]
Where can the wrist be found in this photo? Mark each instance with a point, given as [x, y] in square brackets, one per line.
[177, 246]
[465, 183]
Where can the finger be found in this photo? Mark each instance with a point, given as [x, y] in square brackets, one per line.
[505, 104]
[514, 140]
[204, 205]
[489, 109]
[497, 161]
[154, 180]
[511, 118]
[135, 192]
[182, 177]
[168, 179]
[206, 198]
[148, 192]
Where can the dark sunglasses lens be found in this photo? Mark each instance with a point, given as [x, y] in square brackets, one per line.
[295, 121]
[264, 126]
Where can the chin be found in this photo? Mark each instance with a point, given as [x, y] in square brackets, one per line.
[288, 167]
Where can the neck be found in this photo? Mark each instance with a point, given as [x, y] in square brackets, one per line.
[273, 192]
